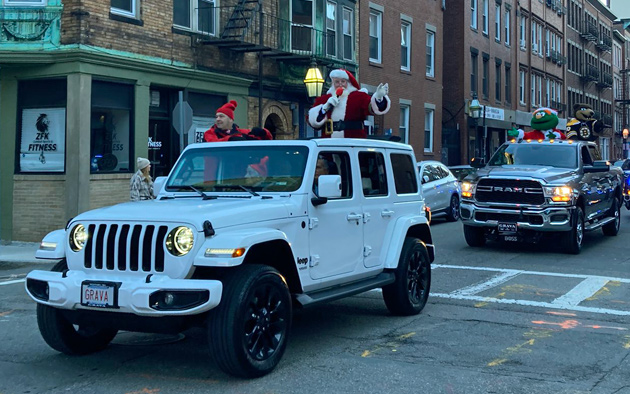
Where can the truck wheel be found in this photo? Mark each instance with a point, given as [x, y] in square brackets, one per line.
[66, 337]
[452, 215]
[573, 239]
[248, 330]
[474, 236]
[612, 228]
[409, 293]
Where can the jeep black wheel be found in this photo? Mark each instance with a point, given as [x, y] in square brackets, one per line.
[409, 293]
[573, 239]
[68, 338]
[452, 215]
[612, 228]
[474, 236]
[248, 331]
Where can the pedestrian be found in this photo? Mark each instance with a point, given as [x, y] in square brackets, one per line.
[225, 129]
[141, 184]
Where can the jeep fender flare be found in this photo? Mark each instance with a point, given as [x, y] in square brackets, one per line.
[236, 239]
[416, 226]
[46, 250]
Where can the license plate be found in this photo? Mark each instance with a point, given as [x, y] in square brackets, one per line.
[510, 238]
[507, 227]
[99, 294]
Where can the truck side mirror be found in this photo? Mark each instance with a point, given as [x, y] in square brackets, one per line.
[477, 162]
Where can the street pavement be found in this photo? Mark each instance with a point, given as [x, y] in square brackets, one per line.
[18, 252]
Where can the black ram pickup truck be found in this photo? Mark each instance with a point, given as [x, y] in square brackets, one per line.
[530, 189]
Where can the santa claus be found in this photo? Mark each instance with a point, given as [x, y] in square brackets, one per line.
[343, 109]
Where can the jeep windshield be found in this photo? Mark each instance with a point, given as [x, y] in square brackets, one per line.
[535, 154]
[238, 169]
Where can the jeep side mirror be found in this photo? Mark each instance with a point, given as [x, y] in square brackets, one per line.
[425, 179]
[477, 162]
[329, 186]
[158, 184]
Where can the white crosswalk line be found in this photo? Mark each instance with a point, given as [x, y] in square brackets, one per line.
[582, 291]
[492, 282]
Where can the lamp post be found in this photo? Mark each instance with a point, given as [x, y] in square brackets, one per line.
[474, 109]
[624, 133]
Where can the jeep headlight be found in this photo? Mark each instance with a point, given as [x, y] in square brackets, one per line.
[468, 189]
[180, 240]
[559, 193]
[78, 237]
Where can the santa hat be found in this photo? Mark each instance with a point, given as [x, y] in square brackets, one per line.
[345, 74]
[228, 109]
[142, 163]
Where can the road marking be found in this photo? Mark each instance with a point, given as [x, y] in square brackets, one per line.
[585, 289]
[478, 288]
[10, 282]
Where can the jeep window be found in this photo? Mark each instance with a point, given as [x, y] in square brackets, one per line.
[534, 154]
[405, 178]
[227, 169]
[595, 155]
[338, 163]
[586, 157]
[373, 176]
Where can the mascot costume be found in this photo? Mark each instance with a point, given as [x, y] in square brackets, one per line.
[544, 122]
[584, 126]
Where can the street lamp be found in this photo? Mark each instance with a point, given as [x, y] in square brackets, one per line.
[474, 109]
[314, 81]
[624, 133]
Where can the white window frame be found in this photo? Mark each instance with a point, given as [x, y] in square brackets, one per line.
[497, 22]
[350, 12]
[473, 14]
[23, 3]
[485, 16]
[430, 46]
[507, 27]
[193, 18]
[523, 34]
[379, 34]
[131, 14]
[403, 129]
[333, 29]
[406, 26]
[429, 115]
[533, 35]
[521, 87]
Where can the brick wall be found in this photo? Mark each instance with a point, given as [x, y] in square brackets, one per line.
[32, 220]
[109, 189]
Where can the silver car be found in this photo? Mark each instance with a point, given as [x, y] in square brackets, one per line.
[441, 189]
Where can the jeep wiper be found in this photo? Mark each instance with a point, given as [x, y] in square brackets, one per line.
[247, 189]
[231, 186]
[203, 195]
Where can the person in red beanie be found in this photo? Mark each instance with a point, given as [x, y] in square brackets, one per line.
[343, 109]
[225, 129]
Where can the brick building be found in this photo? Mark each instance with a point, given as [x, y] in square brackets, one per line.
[621, 86]
[87, 86]
[402, 45]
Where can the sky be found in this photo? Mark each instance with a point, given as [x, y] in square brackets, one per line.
[621, 8]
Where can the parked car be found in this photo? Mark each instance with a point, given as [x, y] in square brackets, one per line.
[625, 166]
[462, 171]
[441, 189]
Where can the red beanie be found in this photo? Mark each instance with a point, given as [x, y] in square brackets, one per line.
[228, 109]
[345, 74]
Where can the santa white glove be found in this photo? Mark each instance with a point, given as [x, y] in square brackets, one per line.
[381, 91]
[332, 102]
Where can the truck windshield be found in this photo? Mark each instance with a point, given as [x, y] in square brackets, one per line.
[534, 154]
[239, 168]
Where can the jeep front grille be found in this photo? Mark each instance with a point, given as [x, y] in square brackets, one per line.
[135, 248]
[510, 191]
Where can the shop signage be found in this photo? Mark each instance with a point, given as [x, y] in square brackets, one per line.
[43, 140]
[495, 113]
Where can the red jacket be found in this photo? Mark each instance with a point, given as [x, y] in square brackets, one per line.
[236, 134]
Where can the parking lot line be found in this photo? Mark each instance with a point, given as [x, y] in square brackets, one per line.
[582, 291]
[10, 282]
[492, 282]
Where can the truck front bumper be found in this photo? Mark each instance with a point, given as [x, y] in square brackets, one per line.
[545, 219]
[154, 295]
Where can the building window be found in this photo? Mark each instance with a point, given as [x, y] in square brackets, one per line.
[42, 125]
[428, 129]
[403, 129]
[485, 17]
[124, 8]
[376, 19]
[331, 28]
[508, 84]
[196, 15]
[348, 34]
[473, 14]
[521, 87]
[507, 27]
[473, 73]
[497, 82]
[28, 3]
[430, 54]
[302, 25]
[497, 22]
[405, 46]
[111, 127]
[534, 40]
[523, 33]
[485, 80]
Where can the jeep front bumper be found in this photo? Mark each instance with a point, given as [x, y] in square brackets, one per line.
[544, 219]
[154, 295]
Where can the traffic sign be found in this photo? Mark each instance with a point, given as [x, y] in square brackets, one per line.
[182, 117]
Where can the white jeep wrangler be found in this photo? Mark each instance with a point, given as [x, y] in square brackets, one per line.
[241, 233]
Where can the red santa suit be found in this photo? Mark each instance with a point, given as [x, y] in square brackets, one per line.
[348, 116]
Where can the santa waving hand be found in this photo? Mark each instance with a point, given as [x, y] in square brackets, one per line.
[343, 109]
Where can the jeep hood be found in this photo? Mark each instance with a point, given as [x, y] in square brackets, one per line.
[545, 174]
[222, 212]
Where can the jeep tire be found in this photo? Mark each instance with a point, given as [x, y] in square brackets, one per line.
[452, 215]
[612, 228]
[409, 293]
[249, 329]
[573, 239]
[66, 337]
[474, 236]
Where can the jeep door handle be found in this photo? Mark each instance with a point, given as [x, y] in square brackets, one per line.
[354, 216]
[386, 213]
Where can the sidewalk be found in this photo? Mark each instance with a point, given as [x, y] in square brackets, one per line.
[19, 252]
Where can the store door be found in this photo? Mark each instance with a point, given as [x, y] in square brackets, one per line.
[163, 146]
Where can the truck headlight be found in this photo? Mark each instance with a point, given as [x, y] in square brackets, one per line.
[78, 237]
[559, 193]
[180, 241]
[468, 189]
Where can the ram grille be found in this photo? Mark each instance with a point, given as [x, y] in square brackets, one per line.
[125, 247]
[510, 191]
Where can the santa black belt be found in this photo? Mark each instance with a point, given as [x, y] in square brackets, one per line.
[347, 125]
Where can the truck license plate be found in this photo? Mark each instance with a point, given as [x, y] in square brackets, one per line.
[99, 294]
[507, 227]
